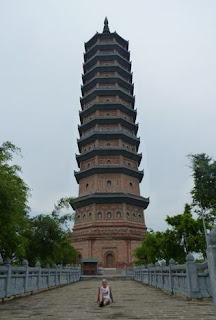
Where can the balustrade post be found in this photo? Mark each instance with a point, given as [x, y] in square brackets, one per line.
[211, 254]
[150, 273]
[48, 275]
[7, 263]
[60, 274]
[25, 264]
[68, 275]
[171, 264]
[71, 274]
[192, 278]
[142, 273]
[163, 264]
[56, 275]
[38, 266]
[157, 266]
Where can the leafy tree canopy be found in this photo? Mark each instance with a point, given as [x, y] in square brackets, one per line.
[186, 233]
[13, 205]
[49, 241]
[204, 190]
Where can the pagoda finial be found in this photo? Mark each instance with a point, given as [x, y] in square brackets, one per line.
[106, 27]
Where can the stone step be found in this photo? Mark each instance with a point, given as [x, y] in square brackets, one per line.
[110, 271]
[112, 277]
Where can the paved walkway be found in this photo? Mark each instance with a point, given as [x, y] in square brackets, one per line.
[78, 301]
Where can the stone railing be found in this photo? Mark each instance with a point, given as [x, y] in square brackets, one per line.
[193, 280]
[190, 279]
[25, 279]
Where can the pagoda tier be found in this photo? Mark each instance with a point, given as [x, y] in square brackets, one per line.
[109, 218]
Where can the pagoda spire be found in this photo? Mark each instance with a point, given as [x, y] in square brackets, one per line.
[106, 27]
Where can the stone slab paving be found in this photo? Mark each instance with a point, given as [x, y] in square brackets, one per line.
[78, 301]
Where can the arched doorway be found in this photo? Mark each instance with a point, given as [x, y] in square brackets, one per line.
[79, 258]
[110, 260]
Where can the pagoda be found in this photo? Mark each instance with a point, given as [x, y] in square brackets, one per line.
[109, 210]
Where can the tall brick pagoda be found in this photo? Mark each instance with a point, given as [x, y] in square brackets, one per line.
[109, 215]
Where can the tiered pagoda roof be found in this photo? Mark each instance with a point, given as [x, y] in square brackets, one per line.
[108, 88]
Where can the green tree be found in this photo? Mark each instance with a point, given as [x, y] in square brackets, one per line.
[188, 231]
[49, 241]
[186, 235]
[159, 246]
[13, 205]
[204, 191]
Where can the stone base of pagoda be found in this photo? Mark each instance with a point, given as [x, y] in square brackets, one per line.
[113, 248]
[110, 253]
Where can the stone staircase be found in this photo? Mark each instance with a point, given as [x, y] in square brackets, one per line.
[112, 271]
[108, 273]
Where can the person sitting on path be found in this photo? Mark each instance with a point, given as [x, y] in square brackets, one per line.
[105, 294]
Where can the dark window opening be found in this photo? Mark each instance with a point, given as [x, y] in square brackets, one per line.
[118, 215]
[109, 183]
[109, 215]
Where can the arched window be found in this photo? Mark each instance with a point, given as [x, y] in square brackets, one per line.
[99, 215]
[131, 184]
[87, 185]
[109, 215]
[84, 216]
[134, 215]
[129, 164]
[90, 214]
[108, 144]
[128, 215]
[109, 183]
[118, 215]
[108, 161]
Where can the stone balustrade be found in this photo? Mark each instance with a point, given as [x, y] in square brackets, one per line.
[193, 280]
[190, 279]
[24, 279]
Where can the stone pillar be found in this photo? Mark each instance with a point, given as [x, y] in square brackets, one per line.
[163, 265]
[38, 266]
[192, 278]
[211, 254]
[157, 280]
[26, 266]
[171, 263]
[48, 274]
[7, 263]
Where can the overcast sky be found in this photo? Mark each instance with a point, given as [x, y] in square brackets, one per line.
[173, 53]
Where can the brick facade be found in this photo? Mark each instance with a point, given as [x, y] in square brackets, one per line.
[109, 219]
